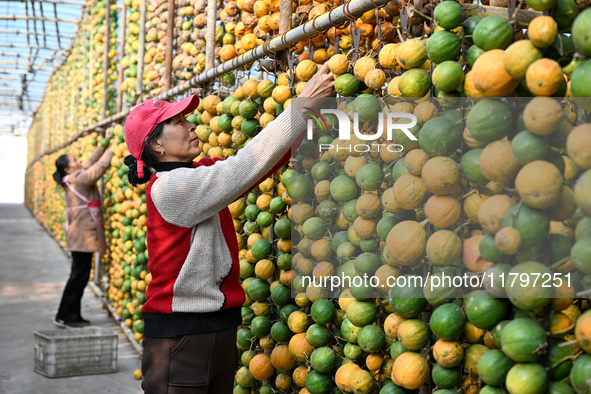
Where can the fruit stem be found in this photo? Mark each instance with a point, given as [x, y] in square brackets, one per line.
[584, 293]
[423, 15]
[514, 214]
[568, 343]
[465, 224]
[567, 358]
[469, 193]
[400, 35]
[560, 262]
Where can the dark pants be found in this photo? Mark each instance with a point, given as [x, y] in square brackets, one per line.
[69, 309]
[196, 363]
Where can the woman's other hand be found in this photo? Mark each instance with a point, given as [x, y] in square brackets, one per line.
[320, 85]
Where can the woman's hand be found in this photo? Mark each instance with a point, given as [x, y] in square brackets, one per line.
[320, 85]
[317, 90]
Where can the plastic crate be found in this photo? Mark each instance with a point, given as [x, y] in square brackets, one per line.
[75, 351]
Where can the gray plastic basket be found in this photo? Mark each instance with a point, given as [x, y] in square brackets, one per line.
[75, 351]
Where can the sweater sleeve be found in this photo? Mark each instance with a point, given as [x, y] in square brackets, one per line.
[98, 151]
[187, 196]
[283, 161]
[93, 173]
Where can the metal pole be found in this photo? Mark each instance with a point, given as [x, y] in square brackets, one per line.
[44, 131]
[210, 40]
[73, 105]
[64, 110]
[107, 41]
[285, 8]
[323, 22]
[90, 67]
[84, 43]
[140, 56]
[121, 55]
[97, 255]
[169, 39]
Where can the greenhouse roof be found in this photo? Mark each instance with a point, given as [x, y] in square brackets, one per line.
[35, 36]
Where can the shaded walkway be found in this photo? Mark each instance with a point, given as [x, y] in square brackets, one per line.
[33, 271]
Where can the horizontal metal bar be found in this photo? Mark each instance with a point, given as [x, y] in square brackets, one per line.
[16, 62]
[24, 68]
[29, 18]
[28, 33]
[31, 47]
[24, 56]
[26, 96]
[36, 67]
[19, 79]
[58, 2]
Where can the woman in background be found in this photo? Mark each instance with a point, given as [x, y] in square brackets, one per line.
[84, 227]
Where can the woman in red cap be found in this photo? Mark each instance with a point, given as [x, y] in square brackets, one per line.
[194, 300]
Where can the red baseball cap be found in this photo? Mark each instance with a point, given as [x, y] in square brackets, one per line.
[145, 117]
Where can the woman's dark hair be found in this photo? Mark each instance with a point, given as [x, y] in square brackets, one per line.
[61, 164]
[148, 157]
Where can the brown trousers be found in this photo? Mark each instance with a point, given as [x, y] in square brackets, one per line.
[197, 364]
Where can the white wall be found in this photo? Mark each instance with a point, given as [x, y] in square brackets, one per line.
[13, 162]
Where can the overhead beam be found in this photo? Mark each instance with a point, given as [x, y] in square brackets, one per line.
[29, 93]
[29, 64]
[19, 79]
[24, 56]
[25, 67]
[34, 18]
[27, 22]
[23, 71]
[17, 100]
[34, 23]
[43, 23]
[80, 4]
[57, 28]
[6, 87]
[17, 32]
[30, 47]
[11, 106]
[16, 63]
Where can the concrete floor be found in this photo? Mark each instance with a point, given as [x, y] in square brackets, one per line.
[33, 271]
